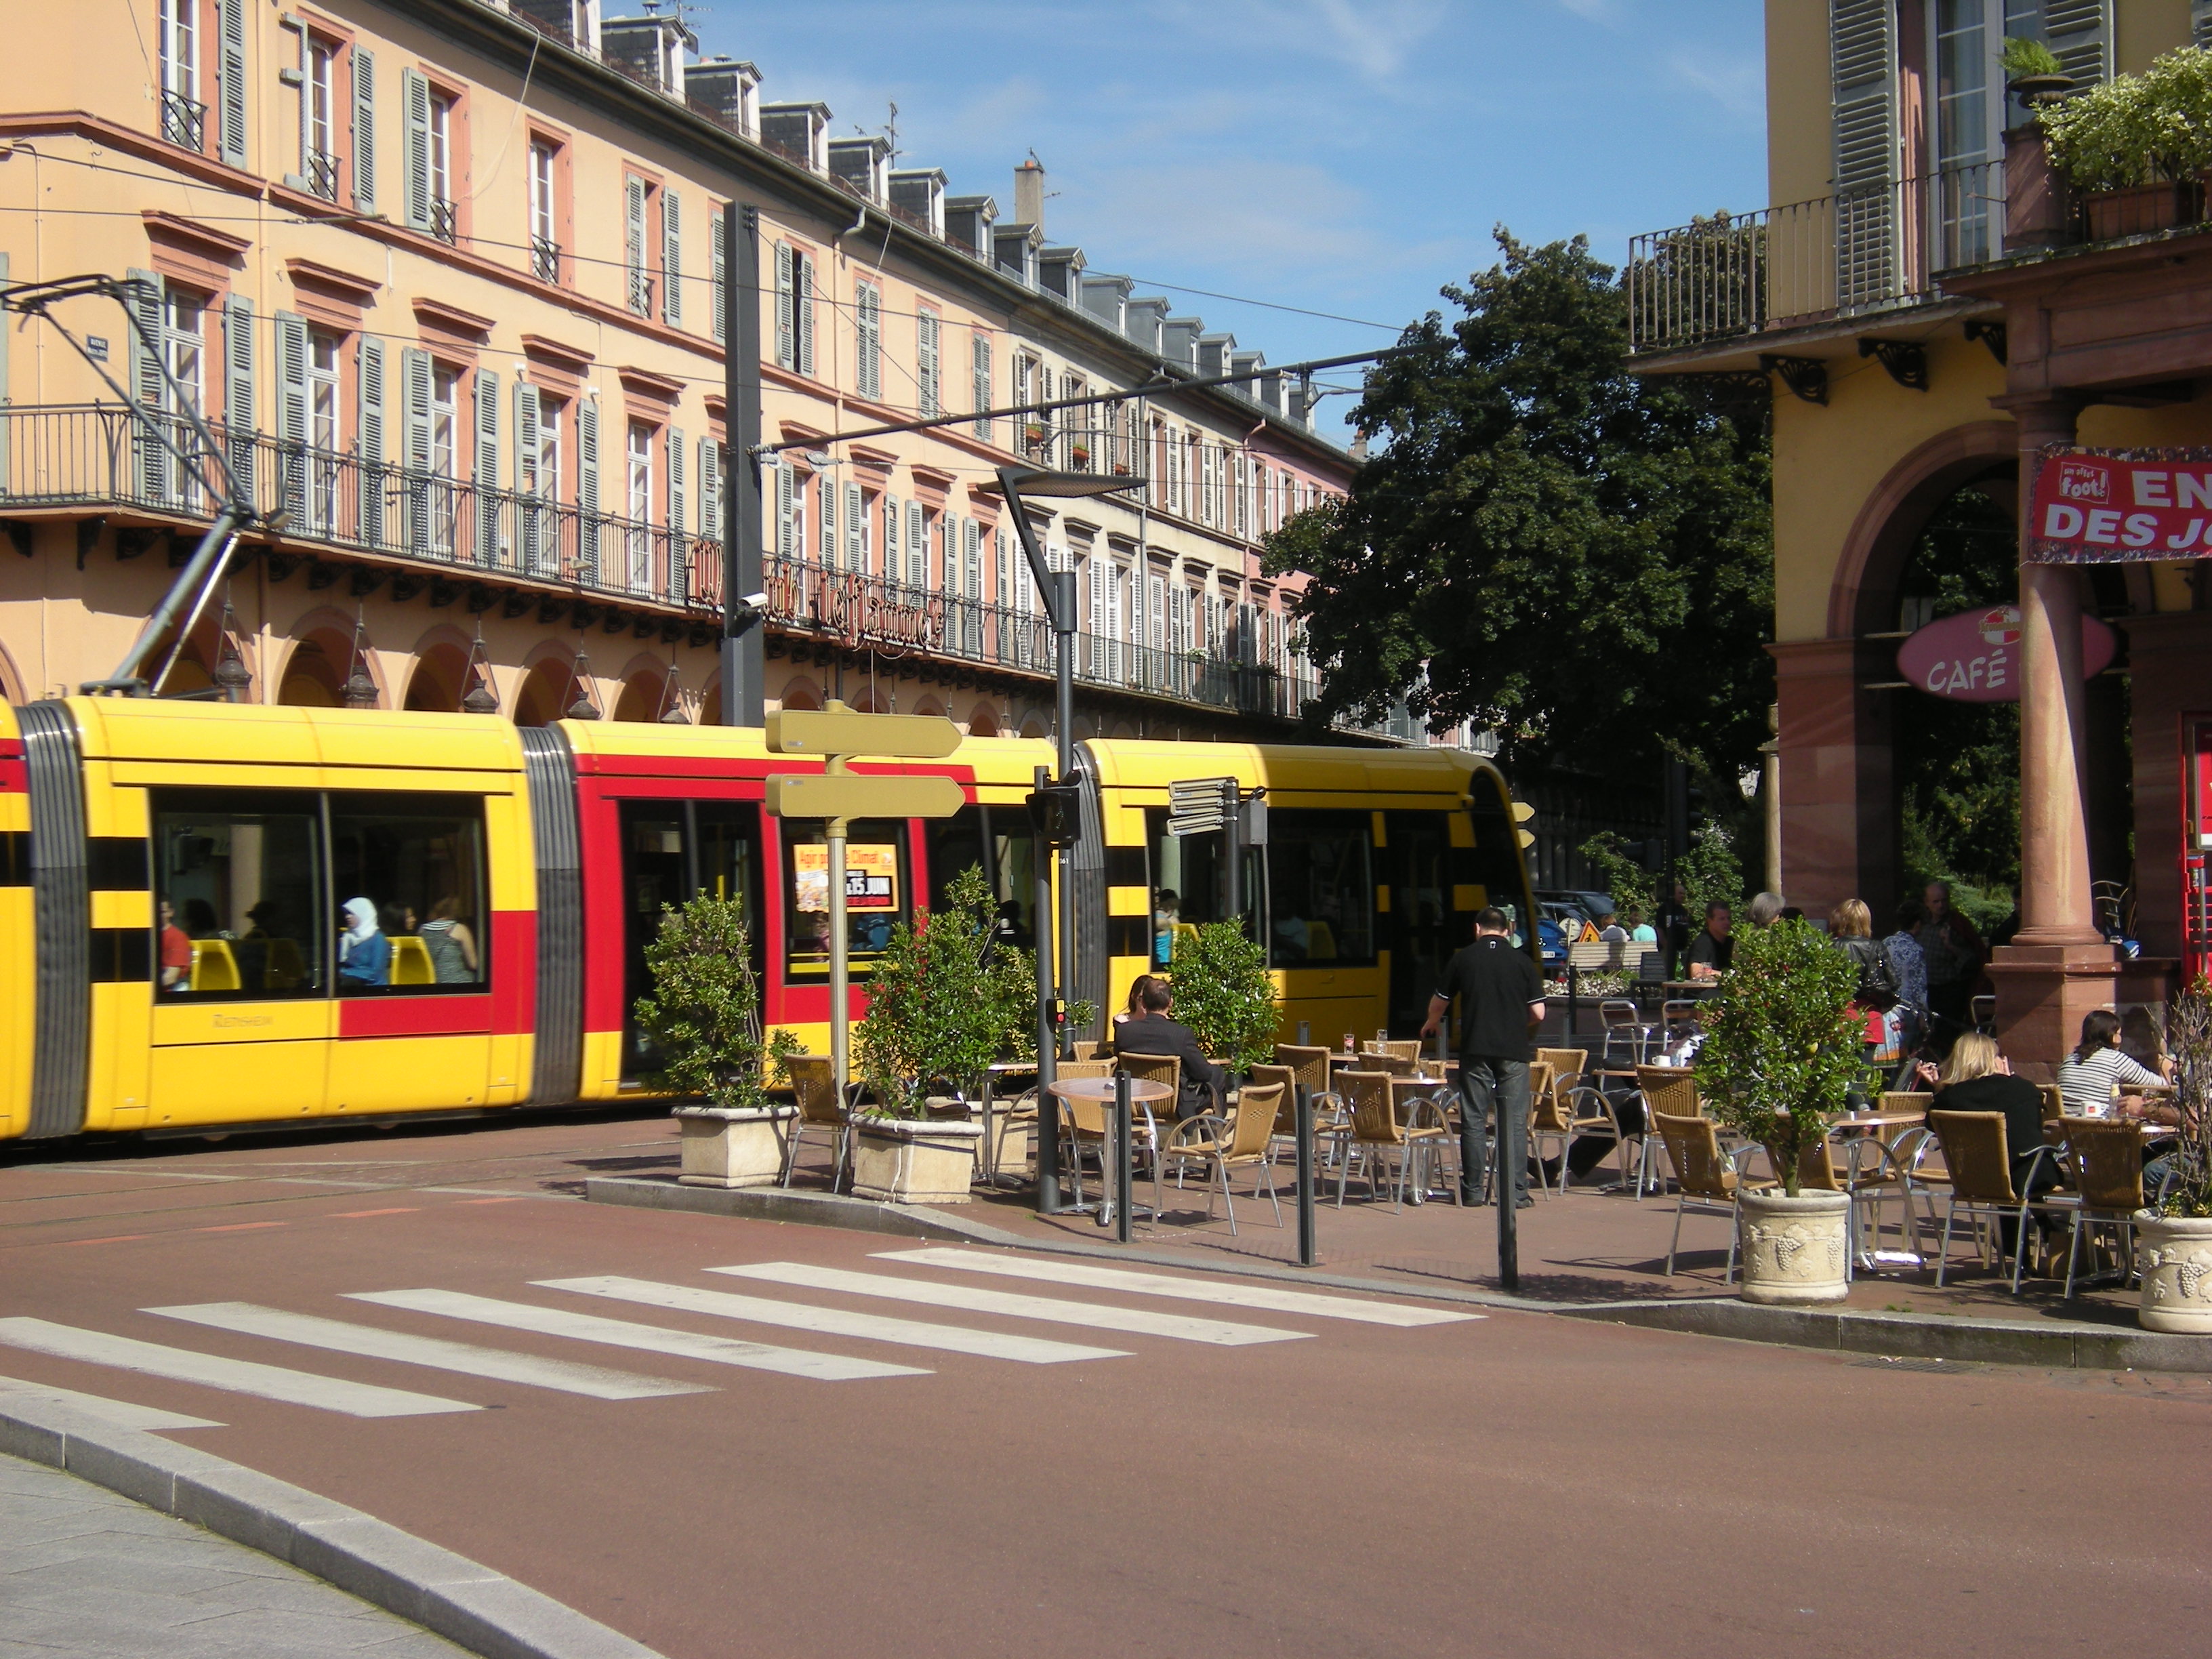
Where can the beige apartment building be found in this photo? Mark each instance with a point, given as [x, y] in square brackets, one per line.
[441, 288]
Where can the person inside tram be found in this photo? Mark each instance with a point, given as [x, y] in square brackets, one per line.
[364, 953]
[176, 952]
[452, 946]
[1164, 923]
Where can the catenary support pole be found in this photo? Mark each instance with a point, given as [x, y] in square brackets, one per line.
[1305, 1137]
[744, 650]
[840, 967]
[1048, 1117]
[1124, 1155]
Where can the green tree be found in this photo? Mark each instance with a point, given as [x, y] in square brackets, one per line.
[1544, 543]
[944, 1000]
[1710, 871]
[1630, 885]
[703, 1012]
[1222, 993]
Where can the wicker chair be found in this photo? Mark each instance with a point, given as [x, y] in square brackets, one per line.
[1705, 1177]
[1376, 1130]
[1407, 1048]
[1082, 1123]
[1974, 1152]
[1245, 1141]
[2106, 1155]
[1668, 1091]
[2054, 1113]
[814, 1086]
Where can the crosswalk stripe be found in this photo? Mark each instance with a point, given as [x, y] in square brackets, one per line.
[1234, 1294]
[329, 1394]
[836, 1321]
[1141, 1321]
[567, 1376]
[121, 1413]
[622, 1333]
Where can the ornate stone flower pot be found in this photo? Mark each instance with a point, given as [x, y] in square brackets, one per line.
[2175, 1254]
[1793, 1251]
[902, 1161]
[733, 1148]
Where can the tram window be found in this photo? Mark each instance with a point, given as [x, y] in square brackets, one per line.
[408, 880]
[878, 892]
[1320, 888]
[239, 907]
[999, 841]
[1192, 869]
[672, 851]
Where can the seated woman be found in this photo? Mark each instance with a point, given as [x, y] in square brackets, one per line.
[364, 953]
[2093, 1077]
[1976, 1078]
[452, 946]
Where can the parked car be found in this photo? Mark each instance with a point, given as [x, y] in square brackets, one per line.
[1595, 905]
[1552, 940]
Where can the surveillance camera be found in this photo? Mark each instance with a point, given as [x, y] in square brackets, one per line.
[755, 601]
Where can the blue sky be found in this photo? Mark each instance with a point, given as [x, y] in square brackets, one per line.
[1347, 156]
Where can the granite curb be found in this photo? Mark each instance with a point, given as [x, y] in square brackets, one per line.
[467, 1603]
[2061, 1344]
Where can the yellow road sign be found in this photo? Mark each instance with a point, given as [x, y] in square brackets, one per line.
[853, 795]
[838, 730]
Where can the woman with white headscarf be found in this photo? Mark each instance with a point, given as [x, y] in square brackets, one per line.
[364, 953]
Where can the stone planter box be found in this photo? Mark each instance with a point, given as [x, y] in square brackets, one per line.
[1795, 1251]
[2140, 210]
[904, 1161]
[2175, 1253]
[727, 1148]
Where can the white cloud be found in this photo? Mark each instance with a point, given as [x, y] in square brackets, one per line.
[1738, 85]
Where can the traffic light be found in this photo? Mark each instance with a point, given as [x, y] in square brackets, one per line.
[1056, 813]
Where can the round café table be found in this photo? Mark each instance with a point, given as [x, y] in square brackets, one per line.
[1100, 1091]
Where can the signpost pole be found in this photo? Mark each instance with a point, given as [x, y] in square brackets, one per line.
[1232, 846]
[840, 967]
[1048, 1129]
[1304, 1123]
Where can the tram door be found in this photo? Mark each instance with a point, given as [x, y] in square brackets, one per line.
[2195, 845]
[1418, 928]
[672, 851]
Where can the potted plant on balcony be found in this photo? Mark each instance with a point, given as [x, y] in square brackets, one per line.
[2173, 1241]
[2136, 145]
[1224, 993]
[945, 999]
[2033, 74]
[1782, 1048]
[703, 1015]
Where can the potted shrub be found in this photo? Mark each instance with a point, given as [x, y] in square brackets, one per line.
[703, 1015]
[2136, 145]
[2033, 74]
[1223, 993]
[2174, 1241]
[945, 999]
[1782, 1050]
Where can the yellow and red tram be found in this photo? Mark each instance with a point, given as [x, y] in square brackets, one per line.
[217, 915]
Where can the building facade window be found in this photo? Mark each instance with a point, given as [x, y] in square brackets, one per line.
[445, 223]
[545, 212]
[637, 272]
[929, 379]
[184, 111]
[637, 501]
[324, 440]
[318, 127]
[795, 309]
[868, 341]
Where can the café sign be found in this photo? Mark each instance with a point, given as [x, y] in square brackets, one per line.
[2121, 506]
[1974, 656]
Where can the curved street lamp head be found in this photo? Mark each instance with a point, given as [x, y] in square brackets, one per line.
[1036, 480]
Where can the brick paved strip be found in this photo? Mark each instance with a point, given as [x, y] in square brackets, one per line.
[470, 1604]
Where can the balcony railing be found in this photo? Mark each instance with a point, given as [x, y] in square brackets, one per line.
[640, 291]
[1854, 252]
[184, 120]
[322, 175]
[98, 456]
[545, 258]
[444, 220]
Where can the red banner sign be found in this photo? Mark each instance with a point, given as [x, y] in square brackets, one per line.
[1974, 656]
[2122, 506]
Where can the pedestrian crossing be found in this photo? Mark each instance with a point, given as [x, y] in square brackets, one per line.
[790, 1297]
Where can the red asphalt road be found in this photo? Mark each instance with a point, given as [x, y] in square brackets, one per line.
[1514, 1484]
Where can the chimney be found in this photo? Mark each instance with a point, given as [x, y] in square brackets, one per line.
[1028, 193]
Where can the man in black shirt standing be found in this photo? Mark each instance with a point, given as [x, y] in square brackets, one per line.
[1501, 1000]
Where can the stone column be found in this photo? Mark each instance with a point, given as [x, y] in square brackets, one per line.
[2058, 967]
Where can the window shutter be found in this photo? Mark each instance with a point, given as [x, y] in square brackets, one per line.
[856, 529]
[892, 568]
[369, 366]
[490, 541]
[303, 180]
[587, 489]
[2200, 22]
[980, 365]
[825, 492]
[2080, 35]
[146, 384]
[679, 510]
[1003, 554]
[1862, 44]
[787, 309]
[415, 113]
[292, 409]
[926, 338]
[803, 298]
[717, 268]
[787, 534]
[710, 490]
[528, 486]
[671, 258]
[238, 389]
[415, 374]
[917, 546]
[640, 294]
[230, 25]
[364, 129]
[868, 330]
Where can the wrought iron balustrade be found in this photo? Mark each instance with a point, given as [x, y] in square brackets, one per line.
[545, 258]
[444, 220]
[322, 175]
[184, 120]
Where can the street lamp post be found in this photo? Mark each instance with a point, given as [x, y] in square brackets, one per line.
[1058, 587]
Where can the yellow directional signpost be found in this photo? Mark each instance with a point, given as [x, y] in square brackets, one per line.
[837, 795]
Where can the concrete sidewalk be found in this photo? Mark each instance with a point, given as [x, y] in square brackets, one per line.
[83, 1572]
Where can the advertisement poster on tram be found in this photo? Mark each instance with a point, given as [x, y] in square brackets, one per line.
[871, 877]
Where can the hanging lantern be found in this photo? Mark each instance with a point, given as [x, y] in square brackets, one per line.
[480, 699]
[360, 690]
[583, 708]
[672, 712]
